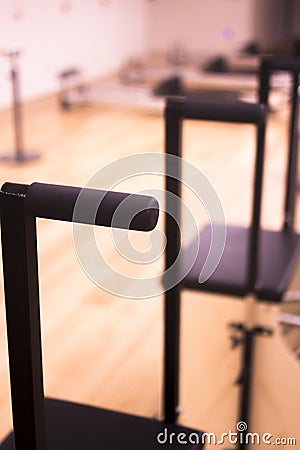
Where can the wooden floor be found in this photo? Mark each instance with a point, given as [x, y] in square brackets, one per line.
[106, 350]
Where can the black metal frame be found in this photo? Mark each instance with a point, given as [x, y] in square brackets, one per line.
[178, 110]
[19, 248]
[288, 241]
[70, 81]
[246, 339]
[20, 205]
[292, 66]
[260, 242]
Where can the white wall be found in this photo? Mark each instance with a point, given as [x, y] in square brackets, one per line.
[96, 37]
[211, 27]
[205, 27]
[99, 35]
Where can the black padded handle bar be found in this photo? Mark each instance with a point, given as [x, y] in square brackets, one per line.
[225, 111]
[111, 209]
[272, 63]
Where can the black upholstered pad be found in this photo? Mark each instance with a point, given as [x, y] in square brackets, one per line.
[71, 426]
[230, 275]
[278, 255]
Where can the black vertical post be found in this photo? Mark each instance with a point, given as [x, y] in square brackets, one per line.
[17, 111]
[264, 82]
[173, 142]
[268, 66]
[19, 248]
[292, 167]
[247, 337]
[246, 383]
[256, 208]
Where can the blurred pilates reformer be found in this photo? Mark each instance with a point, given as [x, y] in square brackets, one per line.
[146, 85]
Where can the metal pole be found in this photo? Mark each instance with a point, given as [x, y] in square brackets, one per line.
[173, 138]
[19, 155]
[19, 248]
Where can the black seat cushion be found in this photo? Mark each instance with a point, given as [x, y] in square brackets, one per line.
[230, 275]
[72, 426]
[278, 255]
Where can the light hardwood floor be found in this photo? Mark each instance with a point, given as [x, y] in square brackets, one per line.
[106, 350]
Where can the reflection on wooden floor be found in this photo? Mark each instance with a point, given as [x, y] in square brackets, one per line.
[106, 350]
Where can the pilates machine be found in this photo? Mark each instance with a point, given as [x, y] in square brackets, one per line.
[75, 92]
[53, 424]
[255, 262]
[147, 86]
[36, 419]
